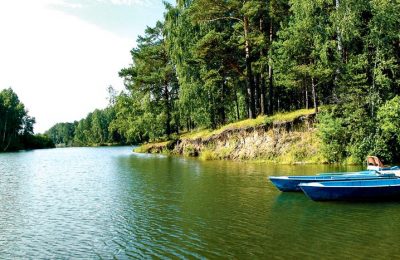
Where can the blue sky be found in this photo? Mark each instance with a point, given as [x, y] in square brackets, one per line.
[127, 18]
[60, 56]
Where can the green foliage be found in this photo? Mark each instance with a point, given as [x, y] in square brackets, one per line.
[12, 118]
[62, 133]
[363, 119]
[190, 150]
[146, 110]
[352, 135]
[208, 155]
[349, 135]
[389, 128]
[213, 63]
[333, 134]
[96, 129]
[389, 118]
[16, 126]
[38, 141]
[305, 51]
[93, 130]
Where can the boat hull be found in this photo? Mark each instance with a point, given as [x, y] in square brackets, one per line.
[291, 183]
[353, 190]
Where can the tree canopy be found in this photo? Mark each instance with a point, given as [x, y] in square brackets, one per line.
[16, 126]
[212, 62]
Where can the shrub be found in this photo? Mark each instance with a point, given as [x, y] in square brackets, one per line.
[333, 135]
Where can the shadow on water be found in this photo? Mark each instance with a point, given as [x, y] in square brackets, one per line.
[333, 229]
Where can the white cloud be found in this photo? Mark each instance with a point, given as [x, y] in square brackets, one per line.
[63, 3]
[128, 2]
[59, 65]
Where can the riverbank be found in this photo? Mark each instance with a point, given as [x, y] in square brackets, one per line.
[287, 138]
[63, 145]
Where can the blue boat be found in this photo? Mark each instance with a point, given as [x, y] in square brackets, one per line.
[375, 170]
[377, 189]
[291, 183]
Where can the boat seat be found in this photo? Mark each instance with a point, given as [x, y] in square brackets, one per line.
[374, 161]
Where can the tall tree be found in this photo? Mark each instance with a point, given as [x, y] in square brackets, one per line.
[306, 47]
[237, 13]
[153, 74]
[16, 125]
[12, 115]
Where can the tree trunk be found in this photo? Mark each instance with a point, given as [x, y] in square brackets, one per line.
[262, 94]
[314, 93]
[250, 80]
[278, 104]
[167, 110]
[339, 46]
[262, 78]
[306, 94]
[339, 40]
[213, 111]
[221, 106]
[237, 105]
[4, 131]
[270, 79]
[257, 93]
[246, 99]
[8, 144]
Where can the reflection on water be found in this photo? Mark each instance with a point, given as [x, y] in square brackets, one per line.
[334, 229]
[109, 202]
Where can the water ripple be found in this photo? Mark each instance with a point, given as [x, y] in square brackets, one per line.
[109, 203]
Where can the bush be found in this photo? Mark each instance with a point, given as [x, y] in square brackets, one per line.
[207, 155]
[389, 129]
[333, 135]
[352, 134]
[37, 141]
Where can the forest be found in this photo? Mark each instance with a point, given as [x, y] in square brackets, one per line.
[213, 62]
[16, 125]
[94, 130]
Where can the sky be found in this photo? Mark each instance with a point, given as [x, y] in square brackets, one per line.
[60, 56]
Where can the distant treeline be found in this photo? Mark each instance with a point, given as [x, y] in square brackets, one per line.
[211, 62]
[16, 126]
[91, 131]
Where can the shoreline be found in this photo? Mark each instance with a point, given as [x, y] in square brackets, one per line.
[280, 139]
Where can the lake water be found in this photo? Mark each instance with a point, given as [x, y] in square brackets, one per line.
[111, 203]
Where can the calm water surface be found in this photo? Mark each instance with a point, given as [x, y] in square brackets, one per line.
[110, 202]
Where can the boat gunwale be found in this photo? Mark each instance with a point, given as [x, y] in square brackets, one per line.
[321, 185]
[333, 177]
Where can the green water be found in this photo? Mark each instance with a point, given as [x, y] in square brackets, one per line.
[108, 202]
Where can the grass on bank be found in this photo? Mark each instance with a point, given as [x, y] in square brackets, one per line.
[260, 120]
[156, 147]
[294, 148]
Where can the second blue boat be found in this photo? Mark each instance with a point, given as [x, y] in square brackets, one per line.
[291, 183]
[353, 190]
